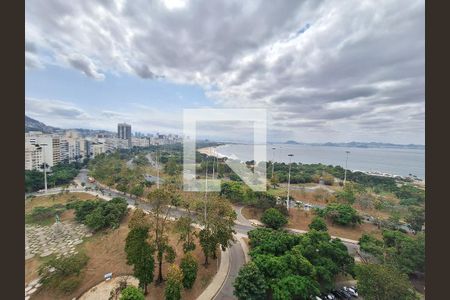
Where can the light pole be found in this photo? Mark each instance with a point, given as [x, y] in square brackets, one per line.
[273, 159]
[289, 181]
[345, 171]
[206, 187]
[157, 170]
[45, 166]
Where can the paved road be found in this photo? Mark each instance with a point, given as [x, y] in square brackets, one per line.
[237, 258]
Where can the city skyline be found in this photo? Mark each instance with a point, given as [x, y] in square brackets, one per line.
[326, 71]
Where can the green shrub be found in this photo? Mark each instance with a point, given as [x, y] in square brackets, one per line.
[318, 224]
[63, 273]
[273, 218]
[132, 293]
[41, 213]
[189, 266]
[342, 214]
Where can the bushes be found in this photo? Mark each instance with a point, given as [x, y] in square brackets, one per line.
[250, 283]
[318, 224]
[101, 214]
[132, 293]
[273, 218]
[66, 272]
[383, 282]
[189, 266]
[62, 173]
[174, 283]
[342, 214]
[41, 214]
[291, 266]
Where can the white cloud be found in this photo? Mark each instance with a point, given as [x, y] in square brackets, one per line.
[332, 63]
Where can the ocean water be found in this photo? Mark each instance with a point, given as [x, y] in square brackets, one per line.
[401, 162]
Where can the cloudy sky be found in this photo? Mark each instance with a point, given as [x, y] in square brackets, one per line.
[324, 70]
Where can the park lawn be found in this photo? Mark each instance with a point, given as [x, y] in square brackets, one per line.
[51, 200]
[106, 254]
[300, 219]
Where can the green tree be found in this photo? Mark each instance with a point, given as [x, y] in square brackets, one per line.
[342, 214]
[208, 243]
[172, 167]
[140, 255]
[137, 190]
[162, 200]
[379, 282]
[132, 293]
[174, 283]
[318, 224]
[139, 219]
[274, 181]
[184, 228]
[397, 249]
[250, 283]
[189, 266]
[273, 218]
[295, 287]
[144, 266]
[218, 226]
[416, 218]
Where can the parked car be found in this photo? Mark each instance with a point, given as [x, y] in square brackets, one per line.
[351, 291]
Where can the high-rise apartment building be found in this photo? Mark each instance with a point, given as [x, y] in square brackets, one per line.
[33, 157]
[50, 144]
[124, 132]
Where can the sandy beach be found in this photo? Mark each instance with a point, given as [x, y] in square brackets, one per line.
[210, 151]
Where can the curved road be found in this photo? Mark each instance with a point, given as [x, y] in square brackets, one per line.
[242, 226]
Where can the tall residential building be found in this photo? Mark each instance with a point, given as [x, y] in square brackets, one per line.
[50, 144]
[33, 157]
[124, 131]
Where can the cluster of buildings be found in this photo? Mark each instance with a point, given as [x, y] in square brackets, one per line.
[71, 146]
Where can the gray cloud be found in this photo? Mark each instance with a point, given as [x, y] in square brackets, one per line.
[344, 64]
[86, 66]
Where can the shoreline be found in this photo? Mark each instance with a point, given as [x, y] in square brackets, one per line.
[211, 151]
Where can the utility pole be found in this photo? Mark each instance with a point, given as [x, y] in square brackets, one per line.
[273, 159]
[289, 182]
[345, 171]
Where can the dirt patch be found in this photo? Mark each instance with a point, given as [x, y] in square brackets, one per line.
[107, 254]
[300, 219]
[55, 199]
[31, 269]
[252, 213]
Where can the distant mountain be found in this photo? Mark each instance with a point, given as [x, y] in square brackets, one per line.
[35, 125]
[374, 145]
[290, 142]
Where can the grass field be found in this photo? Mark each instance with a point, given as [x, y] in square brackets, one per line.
[51, 200]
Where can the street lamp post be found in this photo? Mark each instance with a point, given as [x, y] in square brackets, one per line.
[45, 166]
[289, 181]
[157, 170]
[345, 171]
[206, 187]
